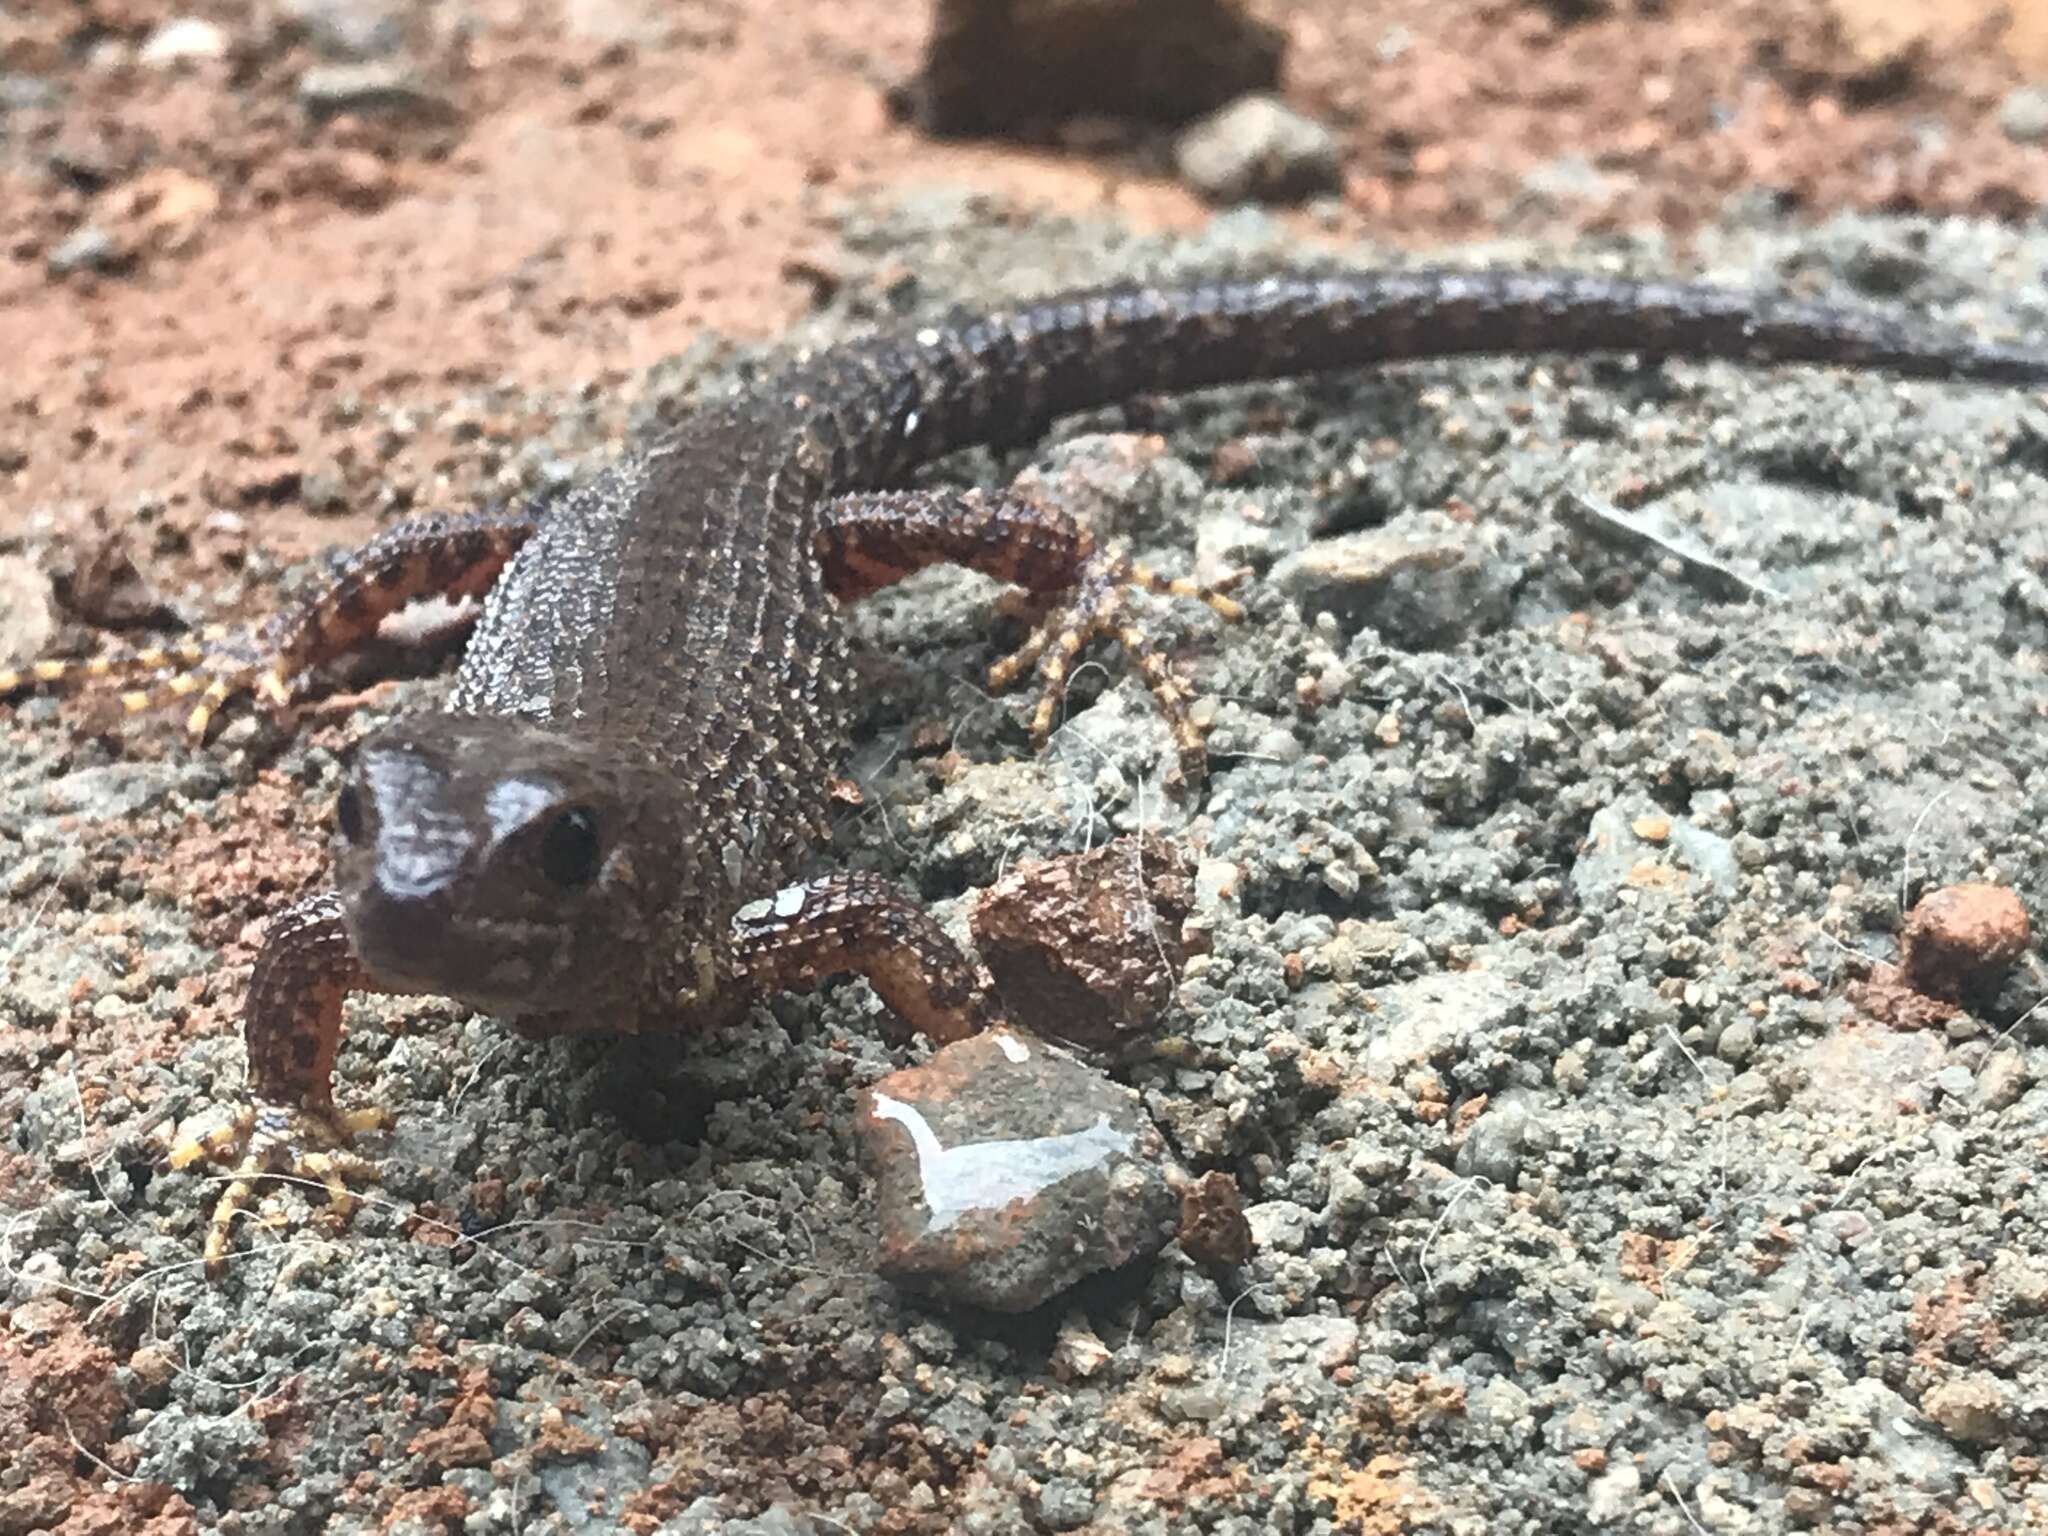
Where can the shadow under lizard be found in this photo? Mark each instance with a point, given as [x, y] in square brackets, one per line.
[606, 827]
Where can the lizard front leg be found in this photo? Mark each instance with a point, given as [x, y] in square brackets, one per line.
[860, 924]
[866, 542]
[291, 1025]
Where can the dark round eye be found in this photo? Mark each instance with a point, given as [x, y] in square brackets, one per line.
[569, 851]
[348, 814]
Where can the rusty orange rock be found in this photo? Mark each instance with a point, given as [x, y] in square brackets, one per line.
[1962, 937]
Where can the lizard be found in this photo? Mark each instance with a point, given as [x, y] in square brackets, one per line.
[610, 825]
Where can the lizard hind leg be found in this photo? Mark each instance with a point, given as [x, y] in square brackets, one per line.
[1080, 588]
[207, 667]
[452, 556]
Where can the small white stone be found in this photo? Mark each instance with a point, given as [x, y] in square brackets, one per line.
[183, 40]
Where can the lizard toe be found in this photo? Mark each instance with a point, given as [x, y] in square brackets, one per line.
[290, 1142]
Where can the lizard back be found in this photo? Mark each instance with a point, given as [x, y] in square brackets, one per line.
[674, 610]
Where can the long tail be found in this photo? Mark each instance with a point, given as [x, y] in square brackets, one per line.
[904, 399]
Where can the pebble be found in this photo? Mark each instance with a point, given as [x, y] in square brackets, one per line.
[1090, 947]
[1280, 1225]
[89, 158]
[1971, 1407]
[1962, 937]
[385, 88]
[1737, 1043]
[183, 40]
[1077, 1351]
[348, 29]
[87, 249]
[1258, 149]
[2024, 114]
[1845, 1229]
[1493, 1147]
[1065, 1505]
[994, 66]
[1956, 1081]
[1005, 1171]
[2003, 1080]
[2019, 1283]
[1285, 1361]
[1680, 859]
[1611, 1497]
[1416, 1021]
[25, 93]
[635, 23]
[1421, 580]
[1572, 183]
[352, 178]
[27, 617]
[1213, 1228]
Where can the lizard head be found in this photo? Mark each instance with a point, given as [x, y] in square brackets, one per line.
[502, 864]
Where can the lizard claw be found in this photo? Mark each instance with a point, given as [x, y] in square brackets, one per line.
[270, 1140]
[209, 668]
[1094, 605]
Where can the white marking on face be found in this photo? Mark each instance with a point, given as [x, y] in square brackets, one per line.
[513, 803]
[789, 901]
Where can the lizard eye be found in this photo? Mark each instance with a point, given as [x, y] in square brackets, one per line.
[569, 849]
[348, 814]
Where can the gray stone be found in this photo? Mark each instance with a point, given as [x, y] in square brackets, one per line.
[1065, 1505]
[1493, 1147]
[1572, 182]
[183, 40]
[1971, 1406]
[1418, 1021]
[27, 617]
[1636, 847]
[2003, 1080]
[1422, 580]
[383, 88]
[2024, 114]
[26, 93]
[348, 29]
[1738, 1042]
[1258, 149]
[1006, 1170]
[87, 249]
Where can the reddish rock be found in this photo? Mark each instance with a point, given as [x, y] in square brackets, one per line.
[58, 1399]
[1963, 938]
[1212, 1225]
[1001, 66]
[1233, 462]
[1888, 998]
[1090, 947]
[1005, 1171]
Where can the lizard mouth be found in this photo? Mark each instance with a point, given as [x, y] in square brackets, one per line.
[420, 946]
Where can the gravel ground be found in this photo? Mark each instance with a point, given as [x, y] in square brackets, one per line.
[1554, 896]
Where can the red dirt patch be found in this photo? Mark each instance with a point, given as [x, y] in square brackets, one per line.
[592, 189]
